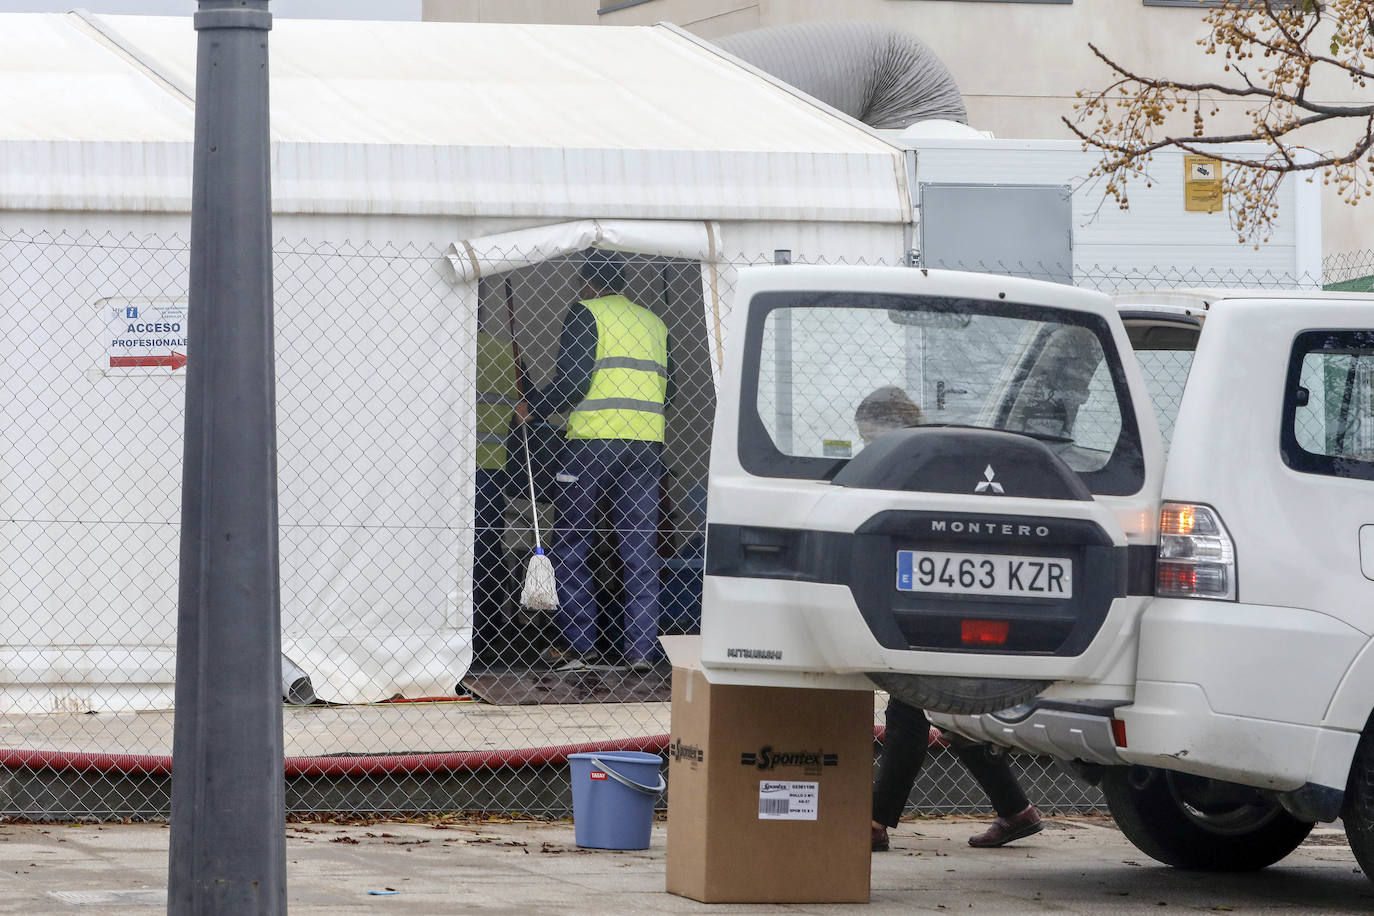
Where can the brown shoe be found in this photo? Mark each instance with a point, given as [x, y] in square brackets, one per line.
[878, 834]
[1007, 829]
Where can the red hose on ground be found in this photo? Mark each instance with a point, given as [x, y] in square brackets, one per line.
[360, 765]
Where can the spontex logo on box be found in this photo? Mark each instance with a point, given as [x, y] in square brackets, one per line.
[688, 752]
[766, 758]
[598, 774]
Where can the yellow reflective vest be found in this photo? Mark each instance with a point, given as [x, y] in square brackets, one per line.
[629, 378]
[497, 395]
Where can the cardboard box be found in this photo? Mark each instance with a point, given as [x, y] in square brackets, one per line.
[769, 790]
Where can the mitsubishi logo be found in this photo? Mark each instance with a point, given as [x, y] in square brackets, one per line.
[987, 484]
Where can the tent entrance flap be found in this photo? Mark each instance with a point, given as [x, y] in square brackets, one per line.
[527, 285]
[486, 256]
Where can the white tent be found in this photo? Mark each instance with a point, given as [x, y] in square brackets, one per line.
[504, 145]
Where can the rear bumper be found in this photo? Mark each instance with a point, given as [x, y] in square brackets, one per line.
[1068, 731]
[1241, 692]
[776, 625]
[1172, 725]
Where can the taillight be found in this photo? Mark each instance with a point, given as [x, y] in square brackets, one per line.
[1196, 557]
[984, 632]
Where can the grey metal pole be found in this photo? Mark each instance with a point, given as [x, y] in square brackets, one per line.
[228, 847]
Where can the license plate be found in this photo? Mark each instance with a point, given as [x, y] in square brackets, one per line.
[984, 574]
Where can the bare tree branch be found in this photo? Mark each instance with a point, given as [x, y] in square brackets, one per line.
[1275, 53]
[1249, 91]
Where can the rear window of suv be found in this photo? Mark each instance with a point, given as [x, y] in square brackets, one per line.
[826, 373]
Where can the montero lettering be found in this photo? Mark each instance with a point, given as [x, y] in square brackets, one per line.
[1007, 528]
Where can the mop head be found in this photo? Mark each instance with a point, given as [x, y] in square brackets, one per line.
[540, 592]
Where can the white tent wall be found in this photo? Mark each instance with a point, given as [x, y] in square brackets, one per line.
[375, 351]
[375, 403]
[89, 483]
[745, 241]
[390, 141]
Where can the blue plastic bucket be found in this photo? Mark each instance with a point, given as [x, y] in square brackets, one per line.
[613, 798]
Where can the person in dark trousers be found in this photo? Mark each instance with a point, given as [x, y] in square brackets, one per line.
[498, 402]
[908, 730]
[614, 373]
[903, 755]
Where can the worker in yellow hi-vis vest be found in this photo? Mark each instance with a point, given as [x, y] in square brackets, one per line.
[614, 373]
[498, 402]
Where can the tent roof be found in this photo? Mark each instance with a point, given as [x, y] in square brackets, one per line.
[96, 112]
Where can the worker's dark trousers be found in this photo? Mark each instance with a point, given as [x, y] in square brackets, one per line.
[904, 753]
[628, 472]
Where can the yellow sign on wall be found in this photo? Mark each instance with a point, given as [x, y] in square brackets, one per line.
[1201, 184]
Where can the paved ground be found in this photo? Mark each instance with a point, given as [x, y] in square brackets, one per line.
[1080, 865]
[376, 729]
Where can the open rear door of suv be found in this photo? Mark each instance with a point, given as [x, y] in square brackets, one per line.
[944, 482]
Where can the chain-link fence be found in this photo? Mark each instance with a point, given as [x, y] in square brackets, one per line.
[414, 675]
[1352, 272]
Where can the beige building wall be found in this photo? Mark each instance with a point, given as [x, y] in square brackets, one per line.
[1019, 65]
[555, 12]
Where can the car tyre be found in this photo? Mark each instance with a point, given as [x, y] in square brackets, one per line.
[957, 695]
[1358, 812]
[1184, 821]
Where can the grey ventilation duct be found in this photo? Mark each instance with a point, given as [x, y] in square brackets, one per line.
[877, 74]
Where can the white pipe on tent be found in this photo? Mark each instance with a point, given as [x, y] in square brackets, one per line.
[475, 258]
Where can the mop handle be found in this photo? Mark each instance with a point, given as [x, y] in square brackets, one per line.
[524, 427]
[529, 475]
[514, 343]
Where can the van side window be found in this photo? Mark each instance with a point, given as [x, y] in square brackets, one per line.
[1328, 412]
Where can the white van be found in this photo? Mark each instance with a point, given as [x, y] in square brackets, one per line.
[1193, 633]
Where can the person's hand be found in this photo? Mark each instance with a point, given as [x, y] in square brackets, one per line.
[522, 411]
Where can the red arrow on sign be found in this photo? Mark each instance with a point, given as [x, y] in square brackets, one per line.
[175, 361]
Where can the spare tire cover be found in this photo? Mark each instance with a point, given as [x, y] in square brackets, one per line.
[957, 695]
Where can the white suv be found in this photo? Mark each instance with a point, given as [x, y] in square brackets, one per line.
[1194, 633]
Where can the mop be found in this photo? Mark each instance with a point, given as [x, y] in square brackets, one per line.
[540, 592]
